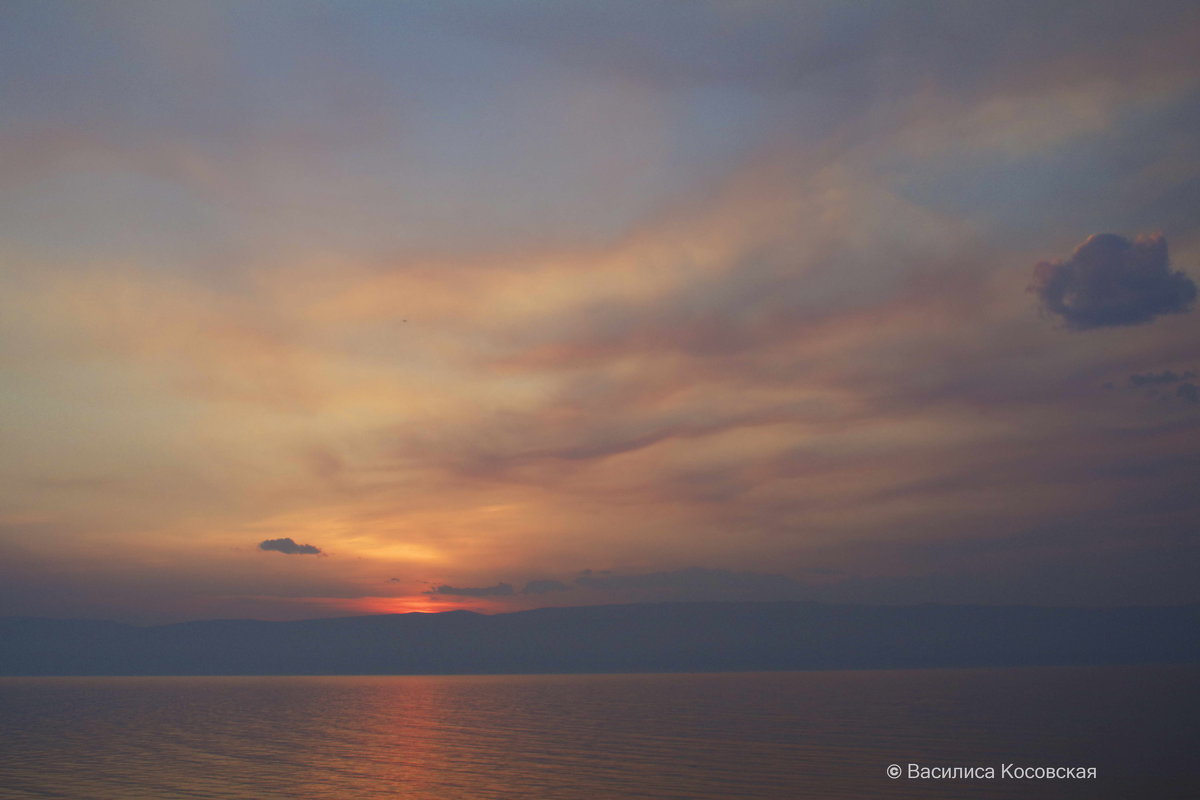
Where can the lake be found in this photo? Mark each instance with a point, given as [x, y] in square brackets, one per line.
[729, 736]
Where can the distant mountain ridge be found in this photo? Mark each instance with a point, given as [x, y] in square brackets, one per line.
[666, 637]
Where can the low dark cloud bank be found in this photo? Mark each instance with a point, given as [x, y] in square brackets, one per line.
[289, 547]
[544, 587]
[499, 590]
[697, 583]
[1111, 281]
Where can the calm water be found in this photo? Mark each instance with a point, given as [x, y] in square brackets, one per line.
[609, 737]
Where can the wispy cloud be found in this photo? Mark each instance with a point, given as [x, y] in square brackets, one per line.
[511, 289]
[1165, 377]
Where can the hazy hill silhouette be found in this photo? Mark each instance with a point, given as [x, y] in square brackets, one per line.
[618, 638]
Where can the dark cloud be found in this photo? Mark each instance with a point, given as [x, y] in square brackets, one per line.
[544, 587]
[1158, 384]
[1110, 281]
[1159, 378]
[696, 583]
[288, 547]
[499, 590]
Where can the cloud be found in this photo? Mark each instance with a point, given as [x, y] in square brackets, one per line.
[288, 547]
[1185, 387]
[696, 583]
[499, 590]
[1159, 378]
[544, 587]
[1110, 281]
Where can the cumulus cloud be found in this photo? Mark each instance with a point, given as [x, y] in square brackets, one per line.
[499, 590]
[1110, 281]
[544, 587]
[1159, 378]
[289, 547]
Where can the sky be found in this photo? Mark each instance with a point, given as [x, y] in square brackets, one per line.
[330, 308]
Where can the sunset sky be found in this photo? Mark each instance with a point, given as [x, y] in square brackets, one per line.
[327, 308]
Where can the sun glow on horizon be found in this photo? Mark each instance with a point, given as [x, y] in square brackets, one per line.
[407, 604]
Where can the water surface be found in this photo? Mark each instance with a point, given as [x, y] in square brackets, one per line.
[754, 736]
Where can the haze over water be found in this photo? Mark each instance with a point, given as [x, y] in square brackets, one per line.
[752, 736]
